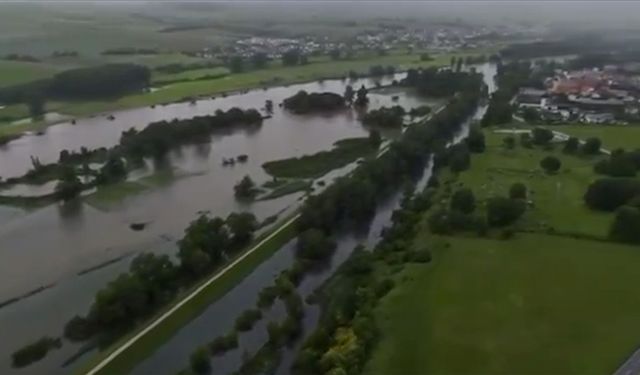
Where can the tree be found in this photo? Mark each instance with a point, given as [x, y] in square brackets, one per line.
[518, 191]
[259, 60]
[571, 145]
[475, 140]
[607, 194]
[361, 97]
[291, 57]
[375, 139]
[550, 164]
[241, 225]
[509, 142]
[541, 136]
[525, 140]
[459, 159]
[335, 54]
[246, 188]
[268, 106]
[69, 185]
[626, 225]
[425, 57]
[199, 361]
[348, 94]
[236, 64]
[36, 105]
[504, 211]
[530, 115]
[314, 245]
[463, 201]
[591, 146]
[113, 170]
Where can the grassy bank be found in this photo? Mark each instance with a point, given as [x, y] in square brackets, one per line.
[310, 166]
[151, 341]
[192, 85]
[286, 188]
[558, 198]
[612, 136]
[535, 304]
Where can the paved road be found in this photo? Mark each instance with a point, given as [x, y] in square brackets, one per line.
[631, 366]
[126, 345]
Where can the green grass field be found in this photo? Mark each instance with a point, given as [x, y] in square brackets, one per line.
[557, 198]
[535, 304]
[16, 72]
[618, 136]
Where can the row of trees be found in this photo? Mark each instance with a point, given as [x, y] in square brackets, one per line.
[385, 117]
[100, 82]
[303, 102]
[154, 280]
[438, 83]
[510, 77]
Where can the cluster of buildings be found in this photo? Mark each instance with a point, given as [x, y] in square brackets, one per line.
[385, 38]
[589, 96]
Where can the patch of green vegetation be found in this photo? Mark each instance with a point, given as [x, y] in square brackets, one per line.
[557, 198]
[13, 112]
[16, 72]
[161, 333]
[612, 136]
[191, 75]
[106, 196]
[534, 304]
[276, 74]
[310, 166]
[289, 187]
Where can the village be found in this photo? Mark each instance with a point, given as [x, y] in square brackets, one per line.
[589, 96]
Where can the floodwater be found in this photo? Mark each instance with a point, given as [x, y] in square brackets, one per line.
[219, 317]
[45, 254]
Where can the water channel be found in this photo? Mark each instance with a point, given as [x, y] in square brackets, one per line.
[47, 253]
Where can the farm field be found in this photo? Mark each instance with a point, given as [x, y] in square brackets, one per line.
[531, 305]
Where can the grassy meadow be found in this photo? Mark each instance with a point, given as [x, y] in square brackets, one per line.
[537, 303]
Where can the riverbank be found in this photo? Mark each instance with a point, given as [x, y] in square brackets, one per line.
[123, 355]
[273, 76]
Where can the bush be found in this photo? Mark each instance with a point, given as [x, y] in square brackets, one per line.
[267, 296]
[550, 164]
[247, 319]
[421, 256]
[626, 225]
[591, 146]
[607, 194]
[78, 329]
[518, 191]
[384, 287]
[463, 201]
[541, 136]
[475, 140]
[313, 244]
[34, 352]
[571, 146]
[509, 142]
[222, 344]
[199, 361]
[504, 211]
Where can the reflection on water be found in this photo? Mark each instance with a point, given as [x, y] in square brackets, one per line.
[52, 245]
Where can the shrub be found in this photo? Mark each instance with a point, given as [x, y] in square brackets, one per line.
[607, 194]
[571, 146]
[541, 136]
[225, 343]
[504, 211]
[34, 351]
[591, 146]
[518, 191]
[463, 201]
[247, 319]
[199, 361]
[550, 164]
[384, 287]
[626, 225]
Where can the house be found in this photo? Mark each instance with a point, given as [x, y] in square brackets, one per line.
[530, 97]
[598, 118]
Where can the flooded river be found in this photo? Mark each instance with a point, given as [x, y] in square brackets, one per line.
[54, 254]
[219, 317]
